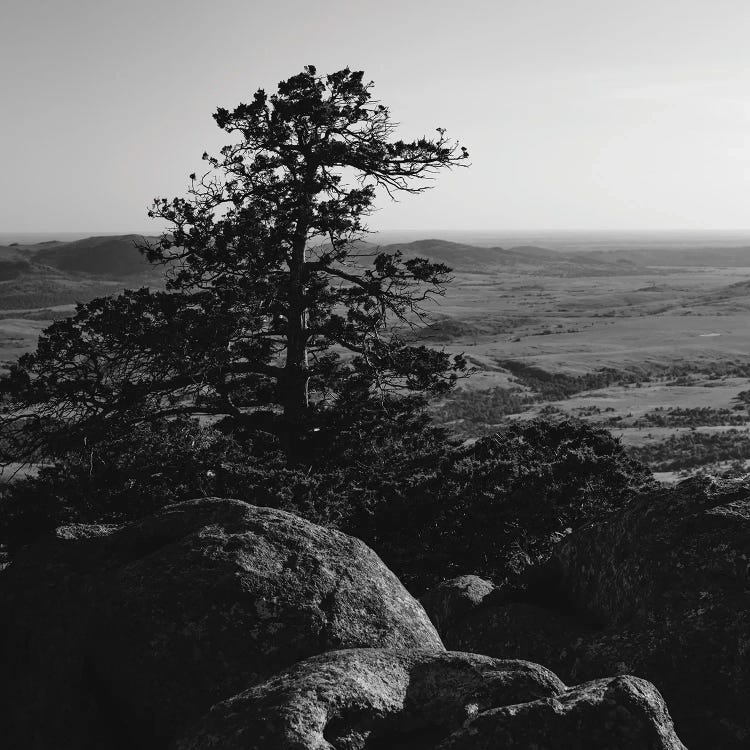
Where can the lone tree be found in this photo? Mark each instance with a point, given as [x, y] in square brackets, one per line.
[274, 309]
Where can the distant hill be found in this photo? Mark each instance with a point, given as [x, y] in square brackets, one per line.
[116, 257]
[111, 257]
[61, 273]
[25, 285]
[10, 254]
[703, 257]
[12, 268]
[13, 263]
[739, 292]
[458, 256]
[522, 259]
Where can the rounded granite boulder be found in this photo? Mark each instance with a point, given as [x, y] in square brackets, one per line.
[368, 698]
[119, 637]
[378, 699]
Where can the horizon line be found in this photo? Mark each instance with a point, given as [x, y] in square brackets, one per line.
[526, 230]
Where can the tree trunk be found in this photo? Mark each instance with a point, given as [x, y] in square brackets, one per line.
[295, 382]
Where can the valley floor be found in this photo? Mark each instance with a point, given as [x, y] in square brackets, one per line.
[660, 358]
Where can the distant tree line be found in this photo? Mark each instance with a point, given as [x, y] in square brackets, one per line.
[556, 386]
[692, 449]
[683, 417]
[489, 406]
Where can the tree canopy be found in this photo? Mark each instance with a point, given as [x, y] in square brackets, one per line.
[274, 309]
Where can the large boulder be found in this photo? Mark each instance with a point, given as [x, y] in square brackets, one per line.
[115, 638]
[660, 590]
[387, 700]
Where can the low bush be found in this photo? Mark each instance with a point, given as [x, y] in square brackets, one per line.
[501, 504]
[430, 507]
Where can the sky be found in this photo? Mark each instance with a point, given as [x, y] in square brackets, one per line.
[578, 114]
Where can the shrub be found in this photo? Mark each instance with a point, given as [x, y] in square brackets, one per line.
[126, 477]
[502, 503]
[430, 507]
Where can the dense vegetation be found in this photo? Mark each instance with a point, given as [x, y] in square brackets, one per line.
[482, 407]
[501, 503]
[555, 386]
[691, 449]
[684, 417]
[430, 507]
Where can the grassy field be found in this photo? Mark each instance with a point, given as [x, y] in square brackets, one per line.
[680, 334]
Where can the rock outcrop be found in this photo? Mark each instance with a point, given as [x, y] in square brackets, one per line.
[115, 638]
[660, 590]
[378, 699]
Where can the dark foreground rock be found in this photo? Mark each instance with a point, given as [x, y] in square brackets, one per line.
[116, 638]
[378, 699]
[451, 601]
[526, 630]
[660, 590]
[621, 713]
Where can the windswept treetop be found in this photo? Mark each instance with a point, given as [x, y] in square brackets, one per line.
[267, 287]
[285, 179]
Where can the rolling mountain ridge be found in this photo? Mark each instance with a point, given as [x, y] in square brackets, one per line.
[62, 273]
[522, 259]
[111, 257]
[55, 273]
